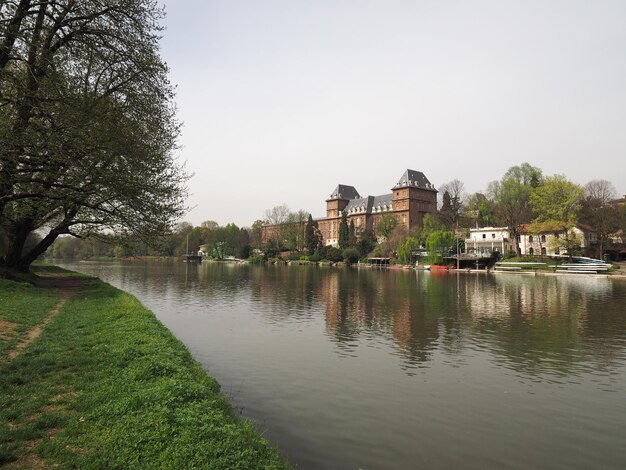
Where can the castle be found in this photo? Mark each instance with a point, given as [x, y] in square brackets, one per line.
[412, 197]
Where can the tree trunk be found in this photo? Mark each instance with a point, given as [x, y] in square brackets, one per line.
[17, 239]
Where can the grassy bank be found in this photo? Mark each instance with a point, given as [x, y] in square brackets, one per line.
[107, 386]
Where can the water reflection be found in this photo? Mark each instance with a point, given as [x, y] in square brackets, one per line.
[538, 324]
[349, 368]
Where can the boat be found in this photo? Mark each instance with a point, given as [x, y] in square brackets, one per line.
[438, 266]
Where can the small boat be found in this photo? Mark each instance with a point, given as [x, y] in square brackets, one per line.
[423, 267]
[438, 266]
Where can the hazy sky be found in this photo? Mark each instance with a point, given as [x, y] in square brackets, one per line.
[283, 100]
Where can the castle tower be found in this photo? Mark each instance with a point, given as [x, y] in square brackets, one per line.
[413, 196]
[338, 200]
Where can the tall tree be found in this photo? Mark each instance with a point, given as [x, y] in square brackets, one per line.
[344, 231]
[351, 235]
[453, 202]
[313, 236]
[87, 124]
[558, 201]
[599, 212]
[386, 225]
[511, 196]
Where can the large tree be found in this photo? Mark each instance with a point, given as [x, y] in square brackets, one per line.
[511, 197]
[453, 200]
[557, 201]
[599, 212]
[344, 231]
[87, 124]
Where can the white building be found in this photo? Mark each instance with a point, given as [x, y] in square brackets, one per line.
[487, 240]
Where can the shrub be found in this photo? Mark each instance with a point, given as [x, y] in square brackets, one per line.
[333, 254]
[315, 257]
[351, 255]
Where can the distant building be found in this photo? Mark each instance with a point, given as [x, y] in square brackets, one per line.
[412, 197]
[488, 240]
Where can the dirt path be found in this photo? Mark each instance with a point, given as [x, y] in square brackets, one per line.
[68, 287]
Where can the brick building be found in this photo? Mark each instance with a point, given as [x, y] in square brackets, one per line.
[411, 198]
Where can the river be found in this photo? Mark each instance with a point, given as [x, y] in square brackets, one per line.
[367, 369]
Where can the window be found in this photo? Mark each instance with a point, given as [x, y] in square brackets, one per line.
[493, 235]
[543, 240]
[543, 251]
[531, 251]
[484, 235]
[530, 240]
[556, 235]
[556, 251]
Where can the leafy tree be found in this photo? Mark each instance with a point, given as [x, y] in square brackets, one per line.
[386, 225]
[367, 242]
[453, 202]
[87, 124]
[559, 201]
[344, 231]
[351, 255]
[351, 235]
[313, 236]
[511, 197]
[440, 243]
[406, 249]
[256, 232]
[480, 210]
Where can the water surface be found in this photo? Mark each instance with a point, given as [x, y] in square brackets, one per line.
[349, 369]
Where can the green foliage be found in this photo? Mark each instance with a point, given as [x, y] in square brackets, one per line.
[87, 124]
[558, 201]
[106, 377]
[315, 257]
[511, 196]
[351, 235]
[366, 243]
[313, 235]
[344, 231]
[331, 253]
[351, 255]
[386, 225]
[405, 250]
[440, 243]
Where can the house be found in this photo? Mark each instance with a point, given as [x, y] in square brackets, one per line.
[488, 240]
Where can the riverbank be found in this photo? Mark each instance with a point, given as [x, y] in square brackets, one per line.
[105, 384]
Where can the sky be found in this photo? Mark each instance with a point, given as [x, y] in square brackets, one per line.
[281, 100]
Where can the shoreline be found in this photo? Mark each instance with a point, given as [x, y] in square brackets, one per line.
[106, 384]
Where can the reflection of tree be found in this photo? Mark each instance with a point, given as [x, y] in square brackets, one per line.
[534, 325]
[544, 324]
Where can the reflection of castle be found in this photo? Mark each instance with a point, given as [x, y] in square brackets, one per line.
[412, 197]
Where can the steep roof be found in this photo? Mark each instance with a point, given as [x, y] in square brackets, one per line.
[414, 178]
[343, 191]
[370, 204]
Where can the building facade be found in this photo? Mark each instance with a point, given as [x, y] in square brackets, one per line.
[488, 240]
[411, 198]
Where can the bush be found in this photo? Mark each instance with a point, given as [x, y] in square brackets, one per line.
[315, 257]
[304, 258]
[293, 256]
[351, 255]
[333, 254]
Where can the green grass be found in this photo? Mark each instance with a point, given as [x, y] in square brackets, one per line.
[22, 306]
[107, 386]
